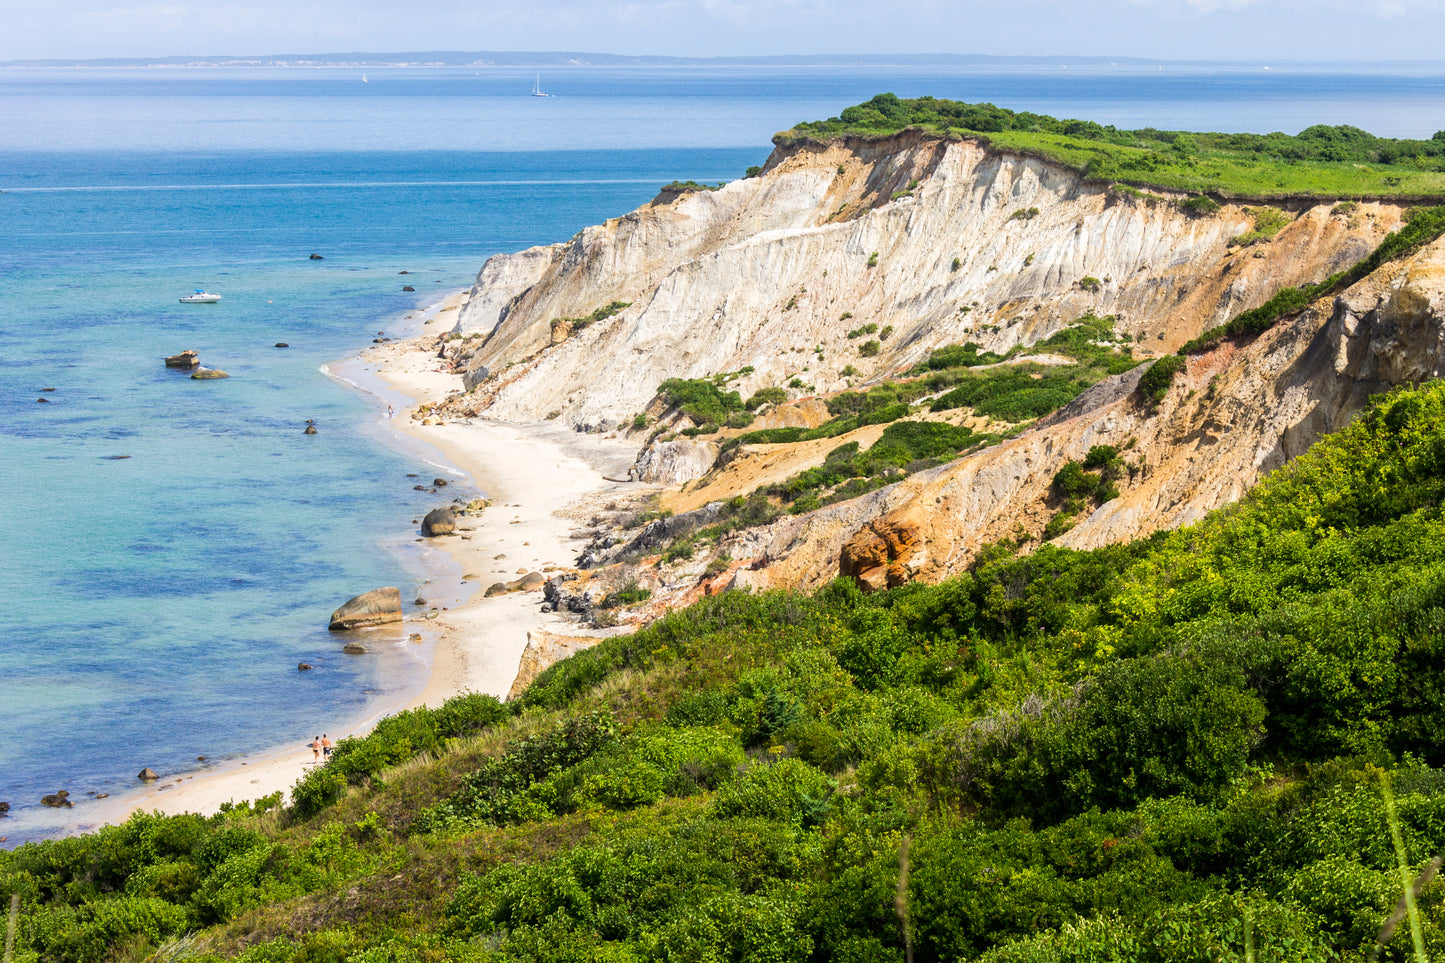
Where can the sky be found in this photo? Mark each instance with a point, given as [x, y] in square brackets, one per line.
[1268, 30]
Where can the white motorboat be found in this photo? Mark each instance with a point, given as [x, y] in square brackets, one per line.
[201, 297]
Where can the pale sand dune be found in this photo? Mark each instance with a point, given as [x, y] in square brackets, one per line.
[531, 472]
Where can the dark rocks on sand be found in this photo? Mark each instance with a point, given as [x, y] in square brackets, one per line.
[57, 800]
[377, 607]
[316, 257]
[407, 287]
[420, 601]
[147, 774]
[209, 374]
[186, 359]
[439, 521]
[310, 430]
[303, 666]
[354, 648]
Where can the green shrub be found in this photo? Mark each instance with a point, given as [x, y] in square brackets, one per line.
[1268, 221]
[1156, 381]
[869, 349]
[789, 791]
[766, 396]
[702, 400]
[1024, 214]
[1091, 284]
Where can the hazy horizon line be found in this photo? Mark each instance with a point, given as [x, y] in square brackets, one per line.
[455, 58]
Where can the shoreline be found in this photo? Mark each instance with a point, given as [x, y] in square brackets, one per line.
[530, 472]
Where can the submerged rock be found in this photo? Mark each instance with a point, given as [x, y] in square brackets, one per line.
[354, 648]
[147, 773]
[316, 257]
[57, 800]
[208, 374]
[377, 607]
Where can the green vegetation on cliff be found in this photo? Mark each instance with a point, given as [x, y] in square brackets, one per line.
[1170, 750]
[1320, 161]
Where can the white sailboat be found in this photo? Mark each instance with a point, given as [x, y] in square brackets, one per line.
[364, 80]
[537, 88]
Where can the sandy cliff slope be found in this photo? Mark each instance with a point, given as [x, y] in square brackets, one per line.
[1236, 413]
[938, 242]
[970, 244]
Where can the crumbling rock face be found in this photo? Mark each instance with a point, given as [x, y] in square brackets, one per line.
[674, 462]
[1238, 412]
[884, 552]
[760, 273]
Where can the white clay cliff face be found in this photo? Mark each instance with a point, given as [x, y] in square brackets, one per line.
[760, 273]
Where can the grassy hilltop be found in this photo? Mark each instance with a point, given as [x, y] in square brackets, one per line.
[1218, 743]
[1321, 161]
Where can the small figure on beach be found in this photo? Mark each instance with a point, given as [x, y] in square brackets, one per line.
[316, 749]
[390, 411]
[326, 747]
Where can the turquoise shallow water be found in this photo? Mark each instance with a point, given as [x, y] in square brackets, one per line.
[155, 606]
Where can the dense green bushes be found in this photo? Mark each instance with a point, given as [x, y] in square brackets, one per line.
[1337, 161]
[1135, 753]
[395, 739]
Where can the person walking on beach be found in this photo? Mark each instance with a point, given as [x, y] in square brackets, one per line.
[325, 747]
[316, 749]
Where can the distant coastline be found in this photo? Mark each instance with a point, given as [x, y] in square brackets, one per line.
[493, 58]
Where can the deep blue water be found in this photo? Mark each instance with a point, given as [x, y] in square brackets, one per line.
[155, 606]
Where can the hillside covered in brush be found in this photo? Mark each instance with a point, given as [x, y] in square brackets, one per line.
[1172, 749]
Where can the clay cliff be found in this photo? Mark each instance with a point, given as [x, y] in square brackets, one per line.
[937, 242]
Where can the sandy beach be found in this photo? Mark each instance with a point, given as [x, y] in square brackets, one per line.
[540, 478]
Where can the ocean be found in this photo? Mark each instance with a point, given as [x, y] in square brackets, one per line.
[172, 548]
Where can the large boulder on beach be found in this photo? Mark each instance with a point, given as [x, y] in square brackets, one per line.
[439, 521]
[377, 607]
[147, 774]
[186, 359]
